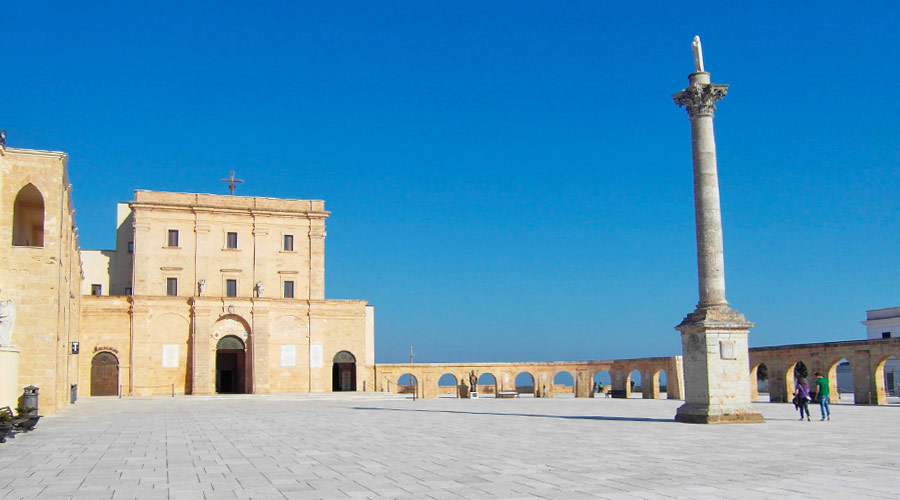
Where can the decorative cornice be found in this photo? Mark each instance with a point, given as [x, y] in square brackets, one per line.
[700, 99]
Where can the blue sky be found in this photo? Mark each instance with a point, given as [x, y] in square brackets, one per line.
[508, 181]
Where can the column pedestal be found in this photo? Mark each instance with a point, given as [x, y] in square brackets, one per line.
[717, 380]
[9, 376]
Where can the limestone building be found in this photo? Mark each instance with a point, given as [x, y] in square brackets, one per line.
[40, 273]
[209, 294]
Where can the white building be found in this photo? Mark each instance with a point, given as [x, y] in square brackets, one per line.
[885, 324]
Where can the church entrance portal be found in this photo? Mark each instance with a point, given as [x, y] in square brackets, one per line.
[105, 374]
[343, 373]
[230, 365]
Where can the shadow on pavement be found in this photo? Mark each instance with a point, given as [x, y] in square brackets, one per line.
[575, 417]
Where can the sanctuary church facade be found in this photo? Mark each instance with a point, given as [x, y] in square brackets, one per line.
[202, 294]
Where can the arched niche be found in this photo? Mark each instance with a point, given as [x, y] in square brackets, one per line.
[28, 218]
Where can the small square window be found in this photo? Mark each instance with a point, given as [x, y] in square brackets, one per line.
[885, 335]
[173, 237]
[96, 289]
[289, 243]
[171, 286]
[231, 240]
[289, 289]
[231, 288]
[131, 245]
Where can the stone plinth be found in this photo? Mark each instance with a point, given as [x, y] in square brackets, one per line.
[717, 381]
[9, 376]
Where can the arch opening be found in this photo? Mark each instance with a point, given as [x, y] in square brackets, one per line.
[890, 378]
[635, 384]
[343, 372]
[28, 218]
[448, 386]
[104, 374]
[487, 385]
[407, 384]
[602, 382]
[525, 384]
[660, 383]
[762, 382]
[563, 384]
[841, 383]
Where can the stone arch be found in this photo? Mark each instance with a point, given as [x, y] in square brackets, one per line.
[841, 381]
[759, 382]
[659, 378]
[408, 383]
[448, 386]
[28, 218]
[104, 374]
[487, 384]
[796, 370]
[887, 378]
[563, 383]
[603, 381]
[526, 383]
[634, 383]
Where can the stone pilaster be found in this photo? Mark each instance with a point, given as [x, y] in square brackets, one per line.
[260, 346]
[714, 336]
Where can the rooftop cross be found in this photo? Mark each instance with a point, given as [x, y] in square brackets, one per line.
[232, 182]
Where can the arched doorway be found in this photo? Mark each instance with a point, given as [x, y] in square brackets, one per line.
[231, 360]
[104, 374]
[343, 372]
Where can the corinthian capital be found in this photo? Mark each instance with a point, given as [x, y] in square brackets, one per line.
[700, 99]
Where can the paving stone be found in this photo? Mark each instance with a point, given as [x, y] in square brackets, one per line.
[199, 448]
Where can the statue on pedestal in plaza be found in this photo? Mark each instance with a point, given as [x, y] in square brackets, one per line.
[473, 381]
[7, 321]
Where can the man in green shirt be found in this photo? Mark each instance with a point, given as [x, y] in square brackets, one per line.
[822, 393]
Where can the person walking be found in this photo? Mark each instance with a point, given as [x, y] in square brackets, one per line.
[822, 390]
[801, 394]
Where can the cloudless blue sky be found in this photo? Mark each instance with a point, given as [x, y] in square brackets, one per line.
[507, 180]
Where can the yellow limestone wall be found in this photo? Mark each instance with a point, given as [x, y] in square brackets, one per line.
[43, 281]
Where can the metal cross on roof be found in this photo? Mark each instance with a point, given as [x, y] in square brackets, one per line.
[232, 182]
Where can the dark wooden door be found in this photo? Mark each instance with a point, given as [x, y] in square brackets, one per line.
[105, 374]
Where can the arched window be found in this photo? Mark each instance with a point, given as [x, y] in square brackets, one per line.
[28, 218]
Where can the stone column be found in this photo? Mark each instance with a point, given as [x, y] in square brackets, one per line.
[714, 336]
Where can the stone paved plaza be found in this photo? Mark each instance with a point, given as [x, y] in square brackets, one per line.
[292, 447]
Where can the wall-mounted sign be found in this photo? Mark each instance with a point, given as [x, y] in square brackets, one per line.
[75, 347]
[170, 356]
[289, 355]
[315, 355]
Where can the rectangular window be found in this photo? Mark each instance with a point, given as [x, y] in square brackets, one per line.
[96, 289]
[289, 243]
[231, 288]
[128, 290]
[171, 286]
[173, 237]
[231, 240]
[885, 335]
[289, 289]
[131, 246]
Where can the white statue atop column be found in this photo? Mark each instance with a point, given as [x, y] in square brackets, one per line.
[7, 321]
[714, 336]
